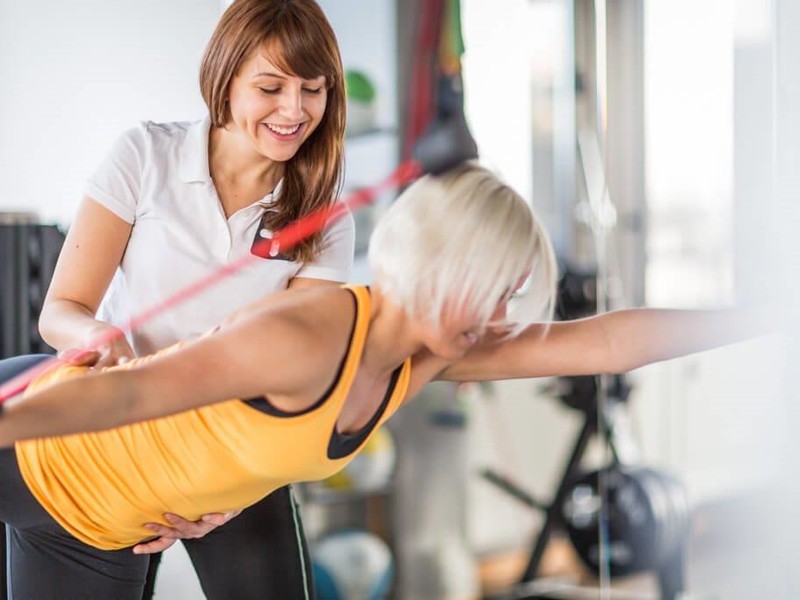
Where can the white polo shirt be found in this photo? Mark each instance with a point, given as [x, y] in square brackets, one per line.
[156, 177]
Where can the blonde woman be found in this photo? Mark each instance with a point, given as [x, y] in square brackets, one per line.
[291, 388]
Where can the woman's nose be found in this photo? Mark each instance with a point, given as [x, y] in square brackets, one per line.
[292, 104]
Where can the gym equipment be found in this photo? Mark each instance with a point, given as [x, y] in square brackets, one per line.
[642, 525]
[371, 469]
[28, 254]
[623, 517]
[352, 565]
[647, 518]
[437, 132]
[447, 139]
[29, 251]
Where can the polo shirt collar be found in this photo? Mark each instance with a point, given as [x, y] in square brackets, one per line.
[193, 153]
[268, 200]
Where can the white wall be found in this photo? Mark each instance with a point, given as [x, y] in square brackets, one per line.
[786, 19]
[497, 87]
[366, 36]
[74, 75]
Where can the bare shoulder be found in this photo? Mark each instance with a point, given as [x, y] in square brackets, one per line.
[302, 303]
[304, 308]
[309, 322]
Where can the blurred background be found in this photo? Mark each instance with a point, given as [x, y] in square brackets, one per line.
[659, 140]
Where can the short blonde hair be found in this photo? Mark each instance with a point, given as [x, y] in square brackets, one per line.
[464, 239]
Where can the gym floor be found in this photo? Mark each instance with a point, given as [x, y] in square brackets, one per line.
[732, 556]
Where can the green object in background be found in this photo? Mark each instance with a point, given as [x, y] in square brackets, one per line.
[361, 103]
[359, 87]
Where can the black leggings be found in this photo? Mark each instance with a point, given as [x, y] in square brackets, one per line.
[261, 554]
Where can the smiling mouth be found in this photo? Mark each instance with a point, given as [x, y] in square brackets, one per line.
[284, 130]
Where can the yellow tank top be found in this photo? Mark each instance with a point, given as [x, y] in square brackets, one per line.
[102, 487]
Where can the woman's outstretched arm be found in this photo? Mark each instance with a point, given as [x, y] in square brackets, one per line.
[265, 353]
[614, 342]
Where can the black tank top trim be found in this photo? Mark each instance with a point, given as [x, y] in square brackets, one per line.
[263, 404]
[344, 444]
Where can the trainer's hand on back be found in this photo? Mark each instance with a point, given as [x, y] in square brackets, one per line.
[181, 529]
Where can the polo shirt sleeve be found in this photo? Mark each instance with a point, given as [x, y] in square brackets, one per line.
[116, 183]
[335, 262]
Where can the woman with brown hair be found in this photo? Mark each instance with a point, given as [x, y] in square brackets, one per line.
[171, 203]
